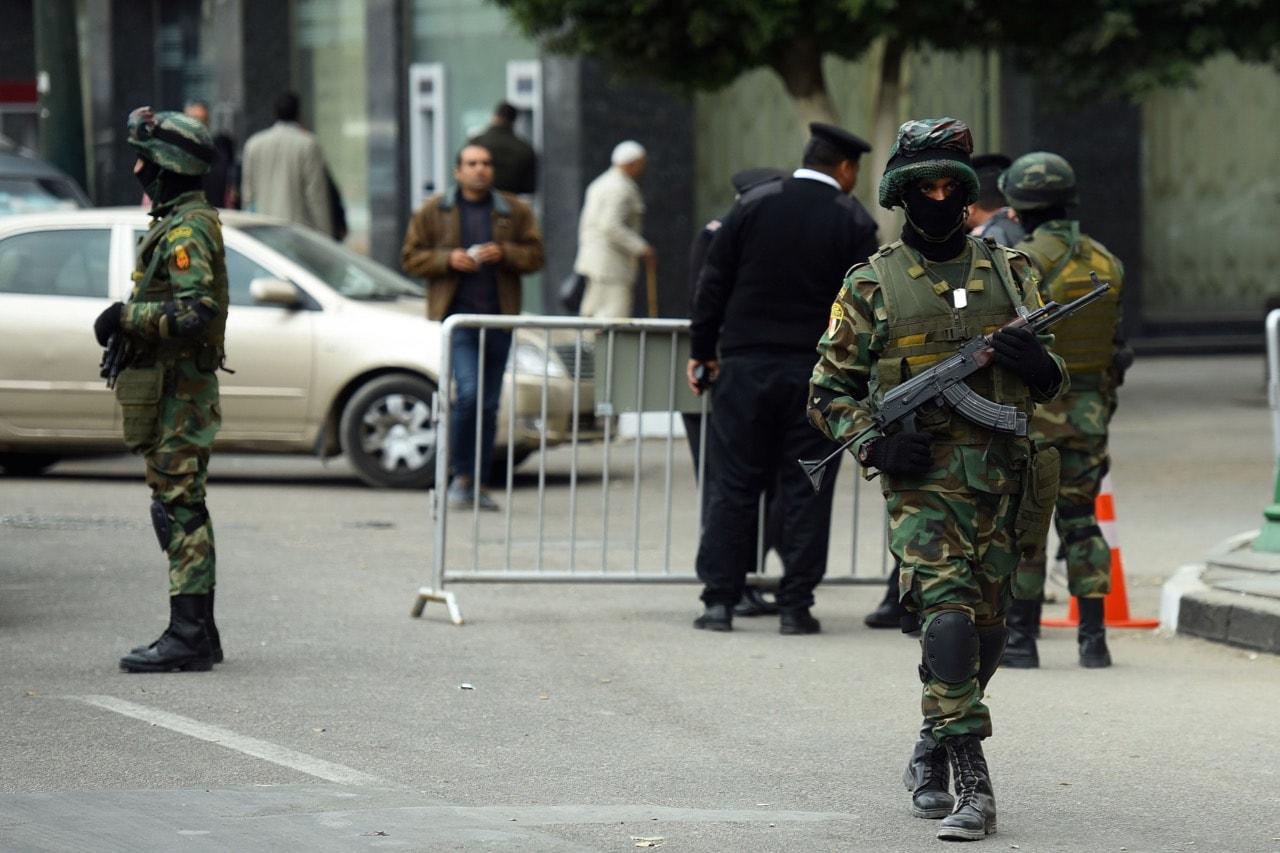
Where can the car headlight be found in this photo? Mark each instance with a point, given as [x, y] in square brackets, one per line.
[530, 360]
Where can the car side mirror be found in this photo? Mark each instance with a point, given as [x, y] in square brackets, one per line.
[274, 291]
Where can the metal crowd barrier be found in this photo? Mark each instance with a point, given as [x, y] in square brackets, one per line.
[599, 485]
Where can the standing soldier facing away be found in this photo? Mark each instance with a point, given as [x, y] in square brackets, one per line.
[168, 391]
[1041, 186]
[956, 491]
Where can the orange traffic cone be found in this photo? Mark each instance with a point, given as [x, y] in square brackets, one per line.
[1115, 606]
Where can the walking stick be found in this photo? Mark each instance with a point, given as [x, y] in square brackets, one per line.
[651, 274]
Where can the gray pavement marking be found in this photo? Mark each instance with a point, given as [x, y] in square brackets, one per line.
[301, 762]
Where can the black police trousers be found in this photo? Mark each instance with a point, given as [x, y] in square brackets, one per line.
[758, 431]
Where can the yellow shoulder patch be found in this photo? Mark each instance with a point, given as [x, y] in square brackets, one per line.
[179, 232]
[837, 314]
[180, 257]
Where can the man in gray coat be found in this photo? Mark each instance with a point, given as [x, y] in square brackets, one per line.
[283, 171]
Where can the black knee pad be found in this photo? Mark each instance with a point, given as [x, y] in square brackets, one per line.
[950, 647]
[162, 524]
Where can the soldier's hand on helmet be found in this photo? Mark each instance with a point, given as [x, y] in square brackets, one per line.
[1018, 349]
[108, 323]
[900, 453]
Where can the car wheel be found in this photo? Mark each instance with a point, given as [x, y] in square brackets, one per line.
[388, 435]
[26, 464]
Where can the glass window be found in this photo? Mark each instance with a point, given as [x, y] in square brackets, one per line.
[72, 262]
[352, 275]
[241, 271]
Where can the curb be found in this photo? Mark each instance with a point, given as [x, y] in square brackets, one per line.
[1223, 610]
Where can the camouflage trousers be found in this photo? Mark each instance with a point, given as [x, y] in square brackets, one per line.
[957, 552]
[1084, 463]
[177, 468]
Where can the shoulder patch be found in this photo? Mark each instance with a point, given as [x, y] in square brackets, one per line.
[837, 315]
[180, 257]
[178, 233]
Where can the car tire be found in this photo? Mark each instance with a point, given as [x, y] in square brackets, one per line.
[26, 464]
[388, 434]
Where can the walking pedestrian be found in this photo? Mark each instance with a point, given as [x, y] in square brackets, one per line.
[515, 165]
[957, 492]
[283, 172]
[610, 243]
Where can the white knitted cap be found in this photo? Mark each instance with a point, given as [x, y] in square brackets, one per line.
[626, 152]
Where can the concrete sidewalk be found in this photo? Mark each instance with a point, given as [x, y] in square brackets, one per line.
[1194, 462]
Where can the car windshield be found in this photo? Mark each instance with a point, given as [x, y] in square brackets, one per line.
[32, 195]
[351, 274]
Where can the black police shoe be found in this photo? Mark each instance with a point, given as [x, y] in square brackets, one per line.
[798, 621]
[717, 617]
[754, 603]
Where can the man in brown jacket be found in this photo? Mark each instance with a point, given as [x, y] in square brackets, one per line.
[472, 244]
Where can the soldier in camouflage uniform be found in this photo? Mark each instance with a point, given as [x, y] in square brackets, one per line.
[173, 324]
[1041, 186]
[957, 517]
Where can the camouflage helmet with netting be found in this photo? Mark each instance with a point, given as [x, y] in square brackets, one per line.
[173, 141]
[928, 149]
[1039, 179]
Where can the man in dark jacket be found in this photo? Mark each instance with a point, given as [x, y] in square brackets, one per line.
[766, 289]
[514, 163]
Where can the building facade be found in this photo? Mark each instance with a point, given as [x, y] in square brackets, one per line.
[393, 88]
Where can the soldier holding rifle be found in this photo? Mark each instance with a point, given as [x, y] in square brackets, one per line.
[959, 493]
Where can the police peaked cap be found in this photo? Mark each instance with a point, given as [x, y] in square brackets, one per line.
[852, 147]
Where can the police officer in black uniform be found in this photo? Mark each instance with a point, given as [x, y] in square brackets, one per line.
[763, 298]
[753, 601]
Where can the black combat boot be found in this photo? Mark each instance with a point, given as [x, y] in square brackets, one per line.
[889, 613]
[1092, 633]
[974, 816]
[183, 646]
[215, 640]
[1022, 620]
[753, 603]
[928, 777]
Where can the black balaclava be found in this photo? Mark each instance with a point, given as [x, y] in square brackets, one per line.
[163, 186]
[1033, 219]
[934, 228]
[148, 176]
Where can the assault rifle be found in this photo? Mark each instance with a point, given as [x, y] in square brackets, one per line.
[113, 358]
[944, 382]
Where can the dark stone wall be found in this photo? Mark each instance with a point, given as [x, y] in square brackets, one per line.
[1103, 144]
[388, 105]
[17, 44]
[586, 114]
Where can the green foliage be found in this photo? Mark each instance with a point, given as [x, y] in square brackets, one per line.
[1087, 49]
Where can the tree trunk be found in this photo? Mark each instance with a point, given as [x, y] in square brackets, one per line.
[800, 68]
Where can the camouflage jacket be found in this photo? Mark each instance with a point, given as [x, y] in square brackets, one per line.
[182, 311]
[845, 388]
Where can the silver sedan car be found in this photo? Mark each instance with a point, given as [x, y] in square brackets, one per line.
[331, 352]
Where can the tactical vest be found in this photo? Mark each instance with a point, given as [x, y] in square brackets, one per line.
[1086, 339]
[153, 287]
[923, 329]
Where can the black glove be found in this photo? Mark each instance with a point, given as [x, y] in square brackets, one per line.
[1018, 350]
[108, 323]
[1120, 363]
[900, 453]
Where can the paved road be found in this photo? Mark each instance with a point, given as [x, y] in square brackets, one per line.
[593, 718]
